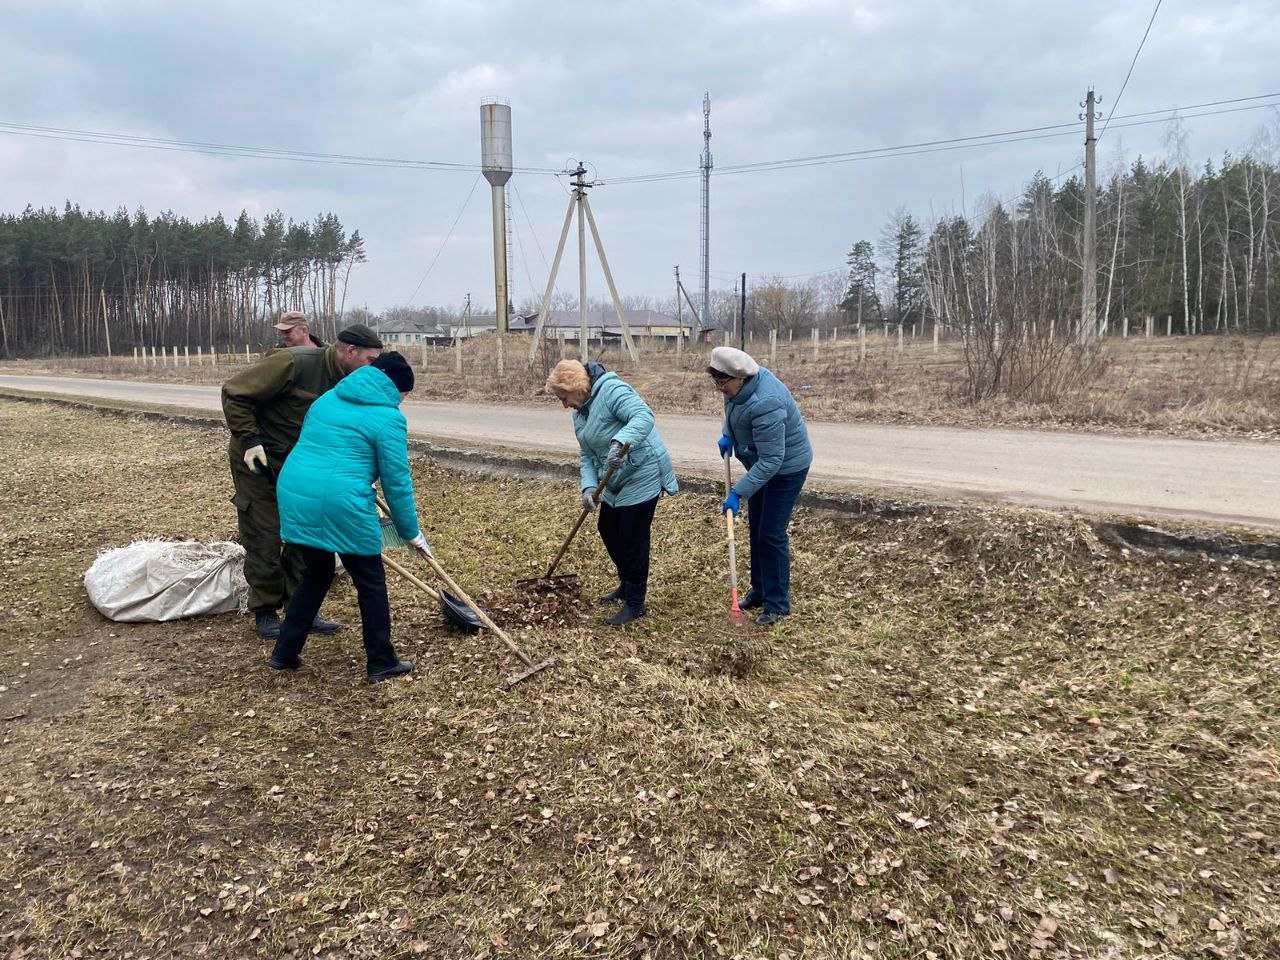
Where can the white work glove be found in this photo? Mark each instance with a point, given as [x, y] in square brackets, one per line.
[614, 461]
[589, 499]
[256, 457]
[420, 543]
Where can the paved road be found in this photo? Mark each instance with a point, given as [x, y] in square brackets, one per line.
[1219, 481]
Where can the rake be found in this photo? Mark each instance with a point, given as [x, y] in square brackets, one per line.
[735, 616]
[392, 539]
[568, 581]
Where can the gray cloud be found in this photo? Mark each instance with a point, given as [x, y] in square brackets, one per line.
[619, 84]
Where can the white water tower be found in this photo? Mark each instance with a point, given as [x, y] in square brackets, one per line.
[495, 162]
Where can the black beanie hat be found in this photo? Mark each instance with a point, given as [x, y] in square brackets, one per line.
[358, 335]
[395, 366]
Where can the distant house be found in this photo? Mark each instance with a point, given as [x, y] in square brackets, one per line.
[412, 333]
[649, 324]
[472, 326]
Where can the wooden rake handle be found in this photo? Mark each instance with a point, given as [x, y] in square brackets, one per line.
[608, 475]
[457, 591]
[475, 608]
[404, 572]
[728, 519]
[732, 543]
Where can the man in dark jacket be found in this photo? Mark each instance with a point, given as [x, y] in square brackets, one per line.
[264, 408]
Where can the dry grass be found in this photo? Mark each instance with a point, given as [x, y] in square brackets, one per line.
[1189, 386]
[980, 735]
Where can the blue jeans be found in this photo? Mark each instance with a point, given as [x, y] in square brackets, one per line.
[769, 515]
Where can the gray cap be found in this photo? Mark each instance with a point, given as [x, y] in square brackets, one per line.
[290, 319]
[733, 362]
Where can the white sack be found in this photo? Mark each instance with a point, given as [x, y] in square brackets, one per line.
[159, 580]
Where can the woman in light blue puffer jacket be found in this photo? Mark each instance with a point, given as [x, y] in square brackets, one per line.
[607, 415]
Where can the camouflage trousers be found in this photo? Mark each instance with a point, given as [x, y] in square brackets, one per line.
[273, 569]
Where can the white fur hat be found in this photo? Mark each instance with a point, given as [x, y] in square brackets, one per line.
[733, 362]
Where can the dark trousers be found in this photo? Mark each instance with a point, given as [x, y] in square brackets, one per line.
[272, 569]
[625, 532]
[375, 612]
[769, 514]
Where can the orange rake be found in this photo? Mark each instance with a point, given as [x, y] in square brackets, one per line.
[735, 616]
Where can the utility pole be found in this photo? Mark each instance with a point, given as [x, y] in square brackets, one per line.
[584, 335]
[704, 321]
[1089, 293]
[679, 318]
[679, 305]
[578, 202]
[681, 291]
[742, 315]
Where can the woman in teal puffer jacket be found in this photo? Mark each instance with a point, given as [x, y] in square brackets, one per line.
[607, 415]
[353, 435]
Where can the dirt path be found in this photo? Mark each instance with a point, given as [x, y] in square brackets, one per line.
[1220, 481]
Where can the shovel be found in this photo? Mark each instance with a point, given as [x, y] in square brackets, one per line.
[452, 609]
[548, 582]
[471, 612]
[530, 668]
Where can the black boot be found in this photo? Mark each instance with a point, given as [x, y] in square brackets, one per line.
[399, 670]
[634, 594]
[267, 624]
[618, 594]
[321, 626]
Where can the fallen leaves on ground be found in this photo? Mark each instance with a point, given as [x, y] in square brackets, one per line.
[978, 735]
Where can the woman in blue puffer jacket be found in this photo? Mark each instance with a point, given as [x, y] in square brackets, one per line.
[353, 435]
[607, 415]
[764, 428]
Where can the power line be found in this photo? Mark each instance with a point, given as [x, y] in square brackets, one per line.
[954, 143]
[234, 150]
[530, 222]
[515, 228]
[1132, 63]
[445, 242]
[769, 278]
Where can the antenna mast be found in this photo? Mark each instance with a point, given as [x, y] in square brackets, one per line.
[704, 321]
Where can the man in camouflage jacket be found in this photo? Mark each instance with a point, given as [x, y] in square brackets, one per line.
[264, 408]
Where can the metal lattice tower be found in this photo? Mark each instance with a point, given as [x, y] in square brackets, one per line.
[510, 232]
[704, 321]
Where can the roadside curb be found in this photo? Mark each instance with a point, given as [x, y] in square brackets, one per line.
[1206, 543]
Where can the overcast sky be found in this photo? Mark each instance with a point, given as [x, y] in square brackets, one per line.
[618, 85]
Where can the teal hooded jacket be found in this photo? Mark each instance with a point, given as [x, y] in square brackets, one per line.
[614, 411]
[353, 435]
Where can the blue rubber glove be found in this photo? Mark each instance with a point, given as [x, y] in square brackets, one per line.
[726, 446]
[731, 503]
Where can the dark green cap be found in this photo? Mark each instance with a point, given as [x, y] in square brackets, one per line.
[358, 335]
